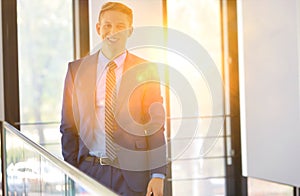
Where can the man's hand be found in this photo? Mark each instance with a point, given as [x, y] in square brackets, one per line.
[155, 187]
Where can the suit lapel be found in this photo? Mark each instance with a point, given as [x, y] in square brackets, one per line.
[85, 85]
[127, 81]
[86, 74]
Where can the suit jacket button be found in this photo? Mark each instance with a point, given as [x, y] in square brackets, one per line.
[146, 132]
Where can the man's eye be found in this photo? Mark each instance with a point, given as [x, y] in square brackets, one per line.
[121, 27]
[107, 26]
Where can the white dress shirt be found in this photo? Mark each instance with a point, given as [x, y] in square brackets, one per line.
[98, 147]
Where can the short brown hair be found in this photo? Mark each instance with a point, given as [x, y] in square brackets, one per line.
[115, 6]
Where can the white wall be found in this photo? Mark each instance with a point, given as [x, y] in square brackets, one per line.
[1, 70]
[269, 85]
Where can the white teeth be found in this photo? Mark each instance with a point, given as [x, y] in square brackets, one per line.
[112, 39]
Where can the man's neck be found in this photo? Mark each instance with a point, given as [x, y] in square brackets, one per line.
[112, 54]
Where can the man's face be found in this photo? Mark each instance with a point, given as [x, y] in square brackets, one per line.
[114, 29]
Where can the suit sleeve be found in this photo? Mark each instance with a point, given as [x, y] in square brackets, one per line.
[70, 137]
[155, 138]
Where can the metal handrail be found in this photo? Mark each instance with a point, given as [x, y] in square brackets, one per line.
[89, 184]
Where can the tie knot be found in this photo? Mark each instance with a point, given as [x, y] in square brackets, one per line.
[112, 66]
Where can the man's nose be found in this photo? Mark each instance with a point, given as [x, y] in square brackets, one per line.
[113, 30]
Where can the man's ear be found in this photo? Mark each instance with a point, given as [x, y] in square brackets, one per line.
[98, 26]
[130, 30]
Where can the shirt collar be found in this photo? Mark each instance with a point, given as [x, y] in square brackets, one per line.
[103, 60]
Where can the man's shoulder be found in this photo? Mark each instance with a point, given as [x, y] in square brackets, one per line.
[86, 60]
[141, 66]
[135, 59]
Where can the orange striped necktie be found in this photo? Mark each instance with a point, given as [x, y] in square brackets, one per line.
[110, 102]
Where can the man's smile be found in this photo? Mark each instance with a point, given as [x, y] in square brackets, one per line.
[112, 39]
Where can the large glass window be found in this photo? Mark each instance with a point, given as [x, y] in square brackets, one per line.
[45, 46]
[195, 172]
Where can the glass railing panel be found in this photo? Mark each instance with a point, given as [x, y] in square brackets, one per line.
[46, 134]
[32, 170]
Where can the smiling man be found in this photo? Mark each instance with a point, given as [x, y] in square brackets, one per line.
[106, 125]
[114, 27]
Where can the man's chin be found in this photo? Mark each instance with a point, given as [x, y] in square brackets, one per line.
[115, 45]
[113, 49]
